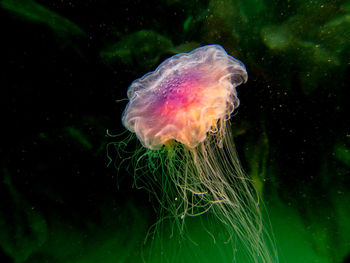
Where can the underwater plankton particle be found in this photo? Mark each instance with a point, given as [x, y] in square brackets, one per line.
[180, 113]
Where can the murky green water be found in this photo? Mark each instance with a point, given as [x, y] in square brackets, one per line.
[66, 67]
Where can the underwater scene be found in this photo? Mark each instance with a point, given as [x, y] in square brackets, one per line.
[175, 131]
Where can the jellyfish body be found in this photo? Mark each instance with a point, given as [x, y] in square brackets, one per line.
[180, 113]
[184, 98]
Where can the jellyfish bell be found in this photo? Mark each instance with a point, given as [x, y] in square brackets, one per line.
[184, 98]
[180, 113]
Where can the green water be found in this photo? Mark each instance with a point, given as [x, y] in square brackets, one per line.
[66, 66]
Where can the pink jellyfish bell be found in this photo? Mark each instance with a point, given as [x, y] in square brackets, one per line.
[184, 98]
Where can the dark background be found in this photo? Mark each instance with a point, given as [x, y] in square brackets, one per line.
[64, 65]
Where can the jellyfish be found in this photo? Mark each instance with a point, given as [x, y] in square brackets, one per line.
[180, 113]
